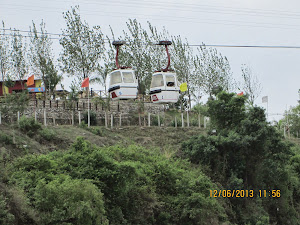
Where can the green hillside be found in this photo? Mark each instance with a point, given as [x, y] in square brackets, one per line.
[242, 173]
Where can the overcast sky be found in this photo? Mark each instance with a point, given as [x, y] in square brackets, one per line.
[219, 22]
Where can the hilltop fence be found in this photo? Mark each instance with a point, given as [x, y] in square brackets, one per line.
[113, 114]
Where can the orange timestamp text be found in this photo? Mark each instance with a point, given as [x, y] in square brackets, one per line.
[244, 193]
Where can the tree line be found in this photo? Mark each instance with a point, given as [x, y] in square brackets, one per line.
[88, 52]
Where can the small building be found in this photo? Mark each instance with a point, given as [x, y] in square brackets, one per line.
[19, 85]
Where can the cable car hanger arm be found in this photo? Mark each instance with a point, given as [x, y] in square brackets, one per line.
[166, 43]
[117, 44]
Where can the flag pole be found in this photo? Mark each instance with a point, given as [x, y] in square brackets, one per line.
[89, 121]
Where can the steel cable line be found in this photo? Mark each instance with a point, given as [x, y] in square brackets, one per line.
[208, 21]
[181, 5]
[106, 41]
[217, 10]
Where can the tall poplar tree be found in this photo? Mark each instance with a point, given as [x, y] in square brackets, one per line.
[41, 57]
[18, 55]
[4, 52]
[83, 46]
[212, 69]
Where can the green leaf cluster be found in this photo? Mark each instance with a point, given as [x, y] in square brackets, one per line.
[115, 185]
[248, 153]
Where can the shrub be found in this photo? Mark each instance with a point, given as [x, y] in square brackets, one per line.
[93, 118]
[4, 138]
[69, 200]
[29, 125]
[47, 134]
[5, 217]
[154, 120]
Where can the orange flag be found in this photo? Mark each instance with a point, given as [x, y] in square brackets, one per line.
[86, 82]
[240, 94]
[30, 81]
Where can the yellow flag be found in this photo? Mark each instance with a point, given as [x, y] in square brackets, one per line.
[183, 87]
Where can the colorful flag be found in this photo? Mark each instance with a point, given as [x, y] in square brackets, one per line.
[86, 82]
[240, 94]
[36, 89]
[264, 99]
[183, 87]
[30, 81]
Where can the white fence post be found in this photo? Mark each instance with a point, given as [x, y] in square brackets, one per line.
[111, 120]
[106, 120]
[120, 119]
[72, 118]
[45, 119]
[35, 116]
[158, 118]
[18, 116]
[199, 119]
[175, 121]
[205, 121]
[187, 119]
[79, 117]
[149, 119]
[182, 121]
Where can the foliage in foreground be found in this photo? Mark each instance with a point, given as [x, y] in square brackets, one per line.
[249, 154]
[115, 185]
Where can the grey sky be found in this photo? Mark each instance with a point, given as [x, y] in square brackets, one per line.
[232, 22]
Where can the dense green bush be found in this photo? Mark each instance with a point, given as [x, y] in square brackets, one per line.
[4, 138]
[93, 118]
[47, 134]
[247, 153]
[138, 186]
[6, 218]
[64, 200]
[29, 125]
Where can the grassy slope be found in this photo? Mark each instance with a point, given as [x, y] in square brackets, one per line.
[167, 139]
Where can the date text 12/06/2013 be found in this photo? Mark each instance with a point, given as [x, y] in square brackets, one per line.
[244, 193]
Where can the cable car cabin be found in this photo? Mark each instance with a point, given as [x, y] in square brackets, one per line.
[164, 87]
[123, 84]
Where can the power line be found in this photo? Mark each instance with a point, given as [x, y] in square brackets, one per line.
[198, 45]
[248, 46]
[190, 19]
[181, 6]
[38, 32]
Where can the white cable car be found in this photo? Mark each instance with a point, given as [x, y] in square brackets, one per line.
[164, 85]
[122, 81]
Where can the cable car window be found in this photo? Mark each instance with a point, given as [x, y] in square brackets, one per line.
[128, 77]
[115, 78]
[170, 80]
[157, 81]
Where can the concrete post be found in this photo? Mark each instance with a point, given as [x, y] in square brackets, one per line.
[187, 119]
[79, 117]
[45, 119]
[158, 120]
[72, 118]
[106, 120]
[149, 119]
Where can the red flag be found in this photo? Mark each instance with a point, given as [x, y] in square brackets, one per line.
[240, 94]
[86, 82]
[30, 81]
